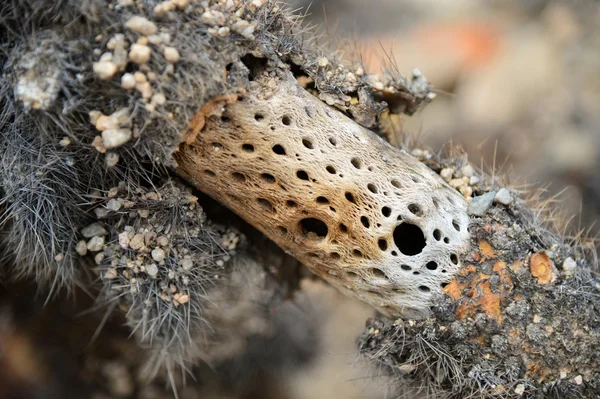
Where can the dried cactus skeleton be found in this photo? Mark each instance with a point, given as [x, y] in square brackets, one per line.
[215, 92]
[371, 220]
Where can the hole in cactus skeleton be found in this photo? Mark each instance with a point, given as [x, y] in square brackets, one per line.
[322, 200]
[308, 144]
[350, 197]
[238, 177]
[286, 120]
[409, 239]
[365, 221]
[248, 147]
[302, 175]
[372, 188]
[431, 265]
[331, 169]
[378, 273]
[437, 234]
[382, 244]
[265, 204]
[268, 178]
[415, 209]
[456, 225]
[313, 228]
[209, 173]
[278, 149]
[386, 211]
[356, 163]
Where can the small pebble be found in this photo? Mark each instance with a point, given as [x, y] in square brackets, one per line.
[467, 170]
[81, 248]
[95, 244]
[171, 54]
[187, 264]
[164, 7]
[520, 389]
[569, 266]
[181, 4]
[94, 229]
[503, 197]
[466, 191]
[159, 99]
[152, 270]
[447, 173]
[94, 116]
[106, 122]
[113, 138]
[137, 241]
[124, 240]
[112, 159]
[163, 241]
[105, 70]
[113, 205]
[181, 298]
[480, 205]
[127, 81]
[106, 57]
[158, 254]
[223, 31]
[140, 77]
[140, 53]
[65, 142]
[141, 25]
[145, 89]
[111, 273]
[578, 380]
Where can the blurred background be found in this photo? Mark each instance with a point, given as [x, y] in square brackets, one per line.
[518, 86]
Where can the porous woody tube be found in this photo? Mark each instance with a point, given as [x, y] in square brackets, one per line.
[370, 219]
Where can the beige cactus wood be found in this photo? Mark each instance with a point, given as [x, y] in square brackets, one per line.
[368, 218]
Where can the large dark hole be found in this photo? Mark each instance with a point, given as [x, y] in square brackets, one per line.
[302, 175]
[365, 221]
[313, 228]
[278, 149]
[409, 239]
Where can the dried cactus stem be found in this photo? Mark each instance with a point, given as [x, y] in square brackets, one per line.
[368, 218]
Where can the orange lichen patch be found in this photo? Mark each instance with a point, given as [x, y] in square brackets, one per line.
[475, 295]
[454, 289]
[542, 268]
[213, 107]
[486, 249]
[499, 267]
[516, 266]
